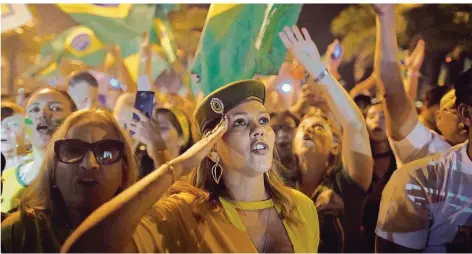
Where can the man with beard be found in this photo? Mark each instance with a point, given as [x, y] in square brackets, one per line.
[45, 111]
[284, 125]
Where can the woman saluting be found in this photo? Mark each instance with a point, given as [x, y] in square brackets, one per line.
[234, 201]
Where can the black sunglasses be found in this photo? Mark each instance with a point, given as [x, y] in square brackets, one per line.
[72, 151]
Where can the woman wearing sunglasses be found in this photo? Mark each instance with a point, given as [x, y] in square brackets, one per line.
[88, 162]
[234, 201]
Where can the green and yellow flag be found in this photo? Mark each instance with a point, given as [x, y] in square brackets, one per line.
[241, 40]
[76, 43]
[113, 23]
[161, 34]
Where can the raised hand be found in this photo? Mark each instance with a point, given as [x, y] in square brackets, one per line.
[333, 64]
[147, 131]
[301, 46]
[383, 9]
[415, 60]
[193, 156]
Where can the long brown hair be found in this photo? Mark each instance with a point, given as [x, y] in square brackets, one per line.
[202, 179]
[39, 199]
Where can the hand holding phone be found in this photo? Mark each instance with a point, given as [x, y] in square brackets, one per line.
[337, 52]
[144, 98]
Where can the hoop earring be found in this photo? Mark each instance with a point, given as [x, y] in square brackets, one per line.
[217, 176]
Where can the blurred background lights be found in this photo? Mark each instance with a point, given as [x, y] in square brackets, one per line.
[286, 87]
[114, 82]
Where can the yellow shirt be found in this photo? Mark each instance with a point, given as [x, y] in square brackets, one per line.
[171, 226]
[13, 187]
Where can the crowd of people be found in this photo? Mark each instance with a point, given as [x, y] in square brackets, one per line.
[338, 171]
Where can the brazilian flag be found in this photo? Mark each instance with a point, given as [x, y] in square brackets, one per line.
[241, 40]
[112, 23]
[76, 43]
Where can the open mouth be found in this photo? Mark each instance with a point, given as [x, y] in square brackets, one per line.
[87, 182]
[307, 140]
[43, 128]
[378, 129]
[259, 147]
[307, 137]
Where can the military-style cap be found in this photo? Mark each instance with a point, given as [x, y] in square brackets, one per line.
[225, 98]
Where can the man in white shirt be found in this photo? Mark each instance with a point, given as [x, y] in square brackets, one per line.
[409, 138]
[422, 141]
[426, 201]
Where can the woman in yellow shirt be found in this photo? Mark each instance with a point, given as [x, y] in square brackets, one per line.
[234, 200]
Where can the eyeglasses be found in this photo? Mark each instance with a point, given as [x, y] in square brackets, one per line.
[72, 151]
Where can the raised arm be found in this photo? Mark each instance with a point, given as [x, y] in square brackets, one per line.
[413, 63]
[356, 151]
[111, 227]
[400, 112]
[363, 86]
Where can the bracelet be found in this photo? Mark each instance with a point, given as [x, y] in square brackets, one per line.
[413, 74]
[172, 171]
[321, 76]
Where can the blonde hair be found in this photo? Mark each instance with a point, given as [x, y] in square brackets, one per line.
[38, 199]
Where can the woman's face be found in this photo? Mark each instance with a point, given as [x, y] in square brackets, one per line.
[169, 133]
[46, 110]
[12, 132]
[313, 139]
[88, 184]
[248, 145]
[375, 121]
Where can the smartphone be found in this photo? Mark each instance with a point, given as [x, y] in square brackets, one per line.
[337, 52]
[144, 98]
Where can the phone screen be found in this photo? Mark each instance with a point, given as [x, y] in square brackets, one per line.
[144, 102]
[337, 52]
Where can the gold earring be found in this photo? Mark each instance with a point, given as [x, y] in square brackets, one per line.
[217, 175]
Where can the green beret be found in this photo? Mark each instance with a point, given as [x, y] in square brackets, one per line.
[226, 98]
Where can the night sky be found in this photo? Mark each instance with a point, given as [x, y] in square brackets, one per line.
[317, 19]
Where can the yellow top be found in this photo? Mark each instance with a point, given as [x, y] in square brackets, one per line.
[13, 187]
[172, 226]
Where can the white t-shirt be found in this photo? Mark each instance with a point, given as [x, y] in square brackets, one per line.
[426, 201]
[420, 143]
